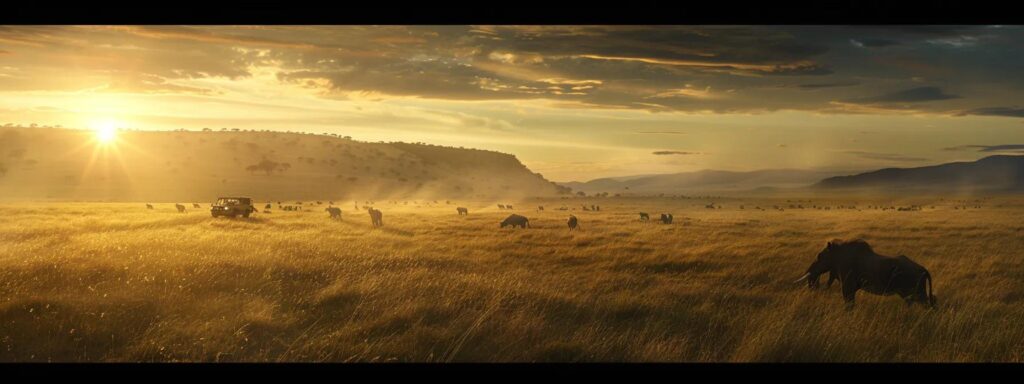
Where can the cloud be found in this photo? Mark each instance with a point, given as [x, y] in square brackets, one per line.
[995, 111]
[662, 132]
[873, 42]
[885, 156]
[734, 69]
[662, 153]
[813, 86]
[913, 95]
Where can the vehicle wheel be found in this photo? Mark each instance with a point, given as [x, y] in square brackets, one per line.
[245, 215]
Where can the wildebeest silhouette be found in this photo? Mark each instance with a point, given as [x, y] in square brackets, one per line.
[644, 216]
[334, 211]
[573, 222]
[462, 211]
[195, 205]
[267, 206]
[585, 208]
[858, 267]
[666, 218]
[508, 206]
[376, 217]
[181, 208]
[149, 206]
[516, 221]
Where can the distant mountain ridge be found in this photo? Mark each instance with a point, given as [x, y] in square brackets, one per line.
[993, 173]
[706, 180]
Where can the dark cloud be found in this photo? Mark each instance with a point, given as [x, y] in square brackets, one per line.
[661, 153]
[813, 86]
[913, 95]
[721, 69]
[873, 42]
[886, 156]
[995, 111]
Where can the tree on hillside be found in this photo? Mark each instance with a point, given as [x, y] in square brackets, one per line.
[267, 166]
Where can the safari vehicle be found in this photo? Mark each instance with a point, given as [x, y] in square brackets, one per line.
[232, 207]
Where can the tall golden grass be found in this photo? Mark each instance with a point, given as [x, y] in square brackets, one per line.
[117, 282]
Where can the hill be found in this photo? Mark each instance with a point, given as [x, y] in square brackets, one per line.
[1000, 173]
[701, 181]
[69, 164]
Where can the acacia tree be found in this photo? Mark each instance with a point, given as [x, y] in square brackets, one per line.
[268, 166]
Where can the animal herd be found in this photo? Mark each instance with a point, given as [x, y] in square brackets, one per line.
[854, 264]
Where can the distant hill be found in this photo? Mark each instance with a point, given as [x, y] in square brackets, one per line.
[993, 173]
[702, 181]
[193, 166]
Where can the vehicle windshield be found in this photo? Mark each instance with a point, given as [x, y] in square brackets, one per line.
[229, 201]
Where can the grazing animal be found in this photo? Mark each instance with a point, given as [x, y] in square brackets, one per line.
[149, 206]
[585, 208]
[334, 211]
[376, 217]
[509, 206]
[666, 218]
[501, 206]
[194, 205]
[267, 206]
[644, 216]
[858, 267]
[516, 221]
[181, 208]
[540, 207]
[462, 211]
[573, 222]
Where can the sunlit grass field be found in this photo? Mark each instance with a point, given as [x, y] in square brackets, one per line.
[118, 282]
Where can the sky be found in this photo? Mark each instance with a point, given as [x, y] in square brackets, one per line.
[573, 103]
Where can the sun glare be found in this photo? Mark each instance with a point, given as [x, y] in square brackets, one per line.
[106, 133]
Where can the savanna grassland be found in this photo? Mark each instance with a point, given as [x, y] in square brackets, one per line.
[117, 282]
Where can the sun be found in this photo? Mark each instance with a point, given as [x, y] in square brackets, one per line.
[106, 133]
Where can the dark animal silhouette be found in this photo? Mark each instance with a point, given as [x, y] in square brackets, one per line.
[540, 207]
[666, 218]
[149, 206]
[194, 205]
[462, 211]
[644, 216]
[516, 221]
[334, 211]
[267, 206]
[508, 206]
[181, 208]
[573, 222]
[501, 206]
[858, 267]
[376, 217]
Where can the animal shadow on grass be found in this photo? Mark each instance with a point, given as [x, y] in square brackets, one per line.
[396, 231]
